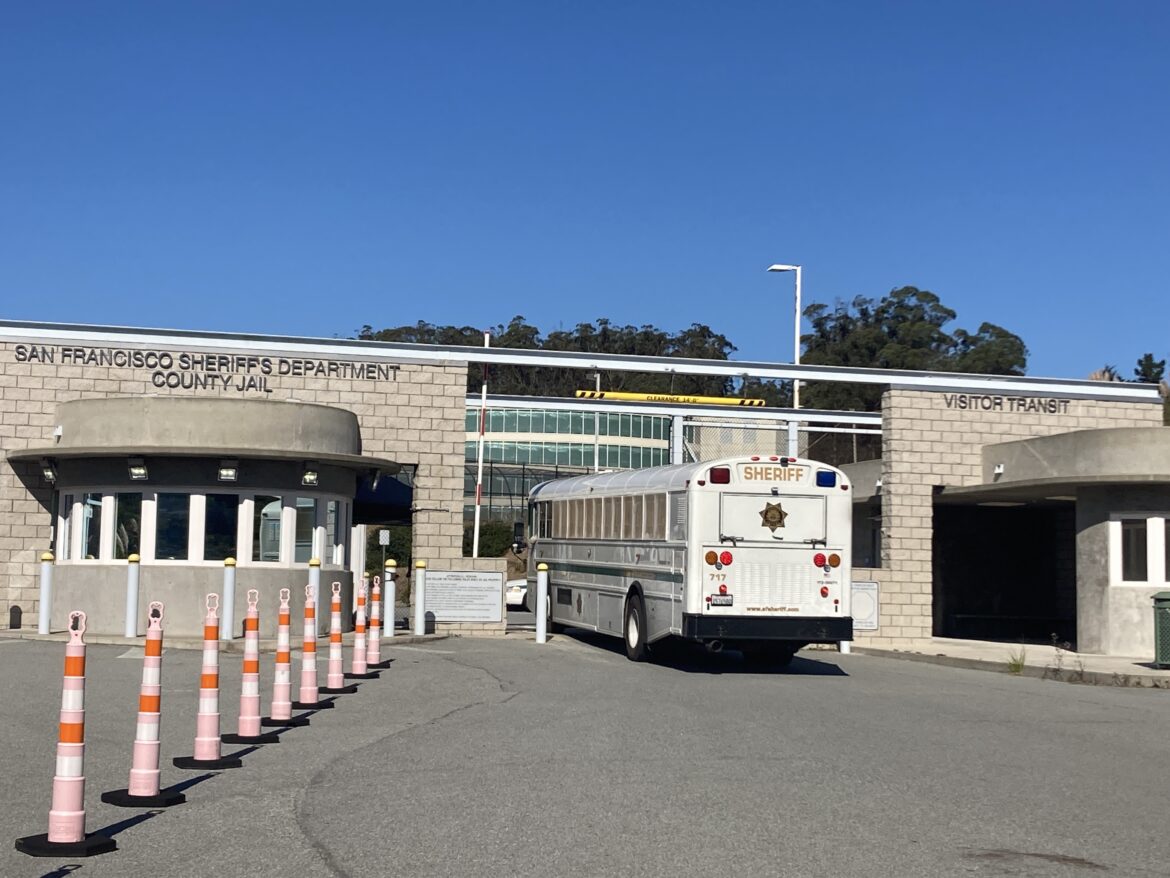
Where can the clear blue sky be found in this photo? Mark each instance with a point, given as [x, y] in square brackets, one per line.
[305, 168]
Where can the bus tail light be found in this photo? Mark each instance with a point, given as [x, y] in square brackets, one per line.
[819, 559]
[711, 557]
[725, 558]
[720, 475]
[824, 591]
[723, 589]
[834, 560]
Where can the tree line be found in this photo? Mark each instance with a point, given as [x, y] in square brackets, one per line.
[905, 329]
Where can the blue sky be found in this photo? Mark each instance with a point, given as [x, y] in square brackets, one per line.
[304, 168]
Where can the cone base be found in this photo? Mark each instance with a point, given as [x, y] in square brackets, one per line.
[381, 666]
[312, 705]
[292, 722]
[123, 799]
[222, 762]
[338, 690]
[270, 738]
[372, 675]
[40, 846]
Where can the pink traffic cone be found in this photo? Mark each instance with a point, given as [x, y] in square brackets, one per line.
[207, 746]
[66, 836]
[335, 678]
[249, 722]
[143, 791]
[310, 697]
[282, 680]
[358, 670]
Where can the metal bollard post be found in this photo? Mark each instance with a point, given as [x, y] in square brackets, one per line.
[315, 580]
[420, 578]
[228, 619]
[389, 598]
[846, 647]
[132, 573]
[46, 603]
[541, 602]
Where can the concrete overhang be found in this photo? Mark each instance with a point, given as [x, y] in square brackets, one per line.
[227, 428]
[1052, 468]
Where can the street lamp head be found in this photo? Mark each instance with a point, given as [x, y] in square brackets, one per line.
[783, 268]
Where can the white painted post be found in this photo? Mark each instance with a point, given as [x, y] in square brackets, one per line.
[132, 573]
[846, 647]
[315, 581]
[676, 439]
[228, 611]
[46, 593]
[794, 438]
[420, 589]
[389, 598]
[541, 602]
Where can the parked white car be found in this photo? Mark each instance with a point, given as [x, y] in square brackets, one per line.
[516, 593]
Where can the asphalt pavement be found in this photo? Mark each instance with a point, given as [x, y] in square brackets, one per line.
[501, 757]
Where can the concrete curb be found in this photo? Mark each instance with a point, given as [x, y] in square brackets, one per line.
[1069, 673]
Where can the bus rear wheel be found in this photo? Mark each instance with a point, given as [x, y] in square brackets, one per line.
[637, 649]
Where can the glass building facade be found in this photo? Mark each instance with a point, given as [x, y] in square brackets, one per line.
[524, 448]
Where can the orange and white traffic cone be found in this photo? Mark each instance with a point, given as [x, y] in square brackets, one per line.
[309, 697]
[66, 836]
[374, 647]
[358, 670]
[144, 791]
[249, 722]
[282, 680]
[207, 745]
[335, 677]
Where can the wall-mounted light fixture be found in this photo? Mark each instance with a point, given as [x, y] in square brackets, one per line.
[229, 471]
[137, 469]
[310, 477]
[997, 470]
[48, 470]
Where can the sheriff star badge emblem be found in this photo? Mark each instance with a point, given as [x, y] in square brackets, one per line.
[773, 516]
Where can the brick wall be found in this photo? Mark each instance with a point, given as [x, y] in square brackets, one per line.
[926, 443]
[416, 417]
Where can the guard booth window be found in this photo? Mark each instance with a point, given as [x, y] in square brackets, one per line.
[1133, 550]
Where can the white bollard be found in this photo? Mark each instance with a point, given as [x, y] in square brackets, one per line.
[228, 619]
[389, 598]
[846, 647]
[315, 581]
[46, 593]
[420, 589]
[541, 602]
[132, 572]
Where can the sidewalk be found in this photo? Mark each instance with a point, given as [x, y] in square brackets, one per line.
[1028, 660]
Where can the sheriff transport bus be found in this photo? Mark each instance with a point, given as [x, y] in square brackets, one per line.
[750, 553]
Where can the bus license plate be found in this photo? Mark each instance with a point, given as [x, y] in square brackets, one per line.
[721, 600]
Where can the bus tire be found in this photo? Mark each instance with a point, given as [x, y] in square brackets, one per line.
[634, 630]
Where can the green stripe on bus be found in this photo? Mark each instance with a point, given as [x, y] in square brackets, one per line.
[629, 573]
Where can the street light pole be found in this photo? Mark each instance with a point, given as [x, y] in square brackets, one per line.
[795, 330]
[597, 427]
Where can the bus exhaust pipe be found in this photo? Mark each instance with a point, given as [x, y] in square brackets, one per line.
[714, 646]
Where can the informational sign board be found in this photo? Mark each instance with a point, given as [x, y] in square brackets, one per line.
[383, 538]
[464, 596]
[865, 606]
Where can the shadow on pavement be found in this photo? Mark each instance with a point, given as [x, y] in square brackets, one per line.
[693, 658]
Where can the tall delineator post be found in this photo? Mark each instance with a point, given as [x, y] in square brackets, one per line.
[208, 752]
[335, 674]
[420, 592]
[309, 696]
[66, 836]
[133, 572]
[282, 676]
[248, 728]
[144, 788]
[358, 670]
[541, 602]
[45, 604]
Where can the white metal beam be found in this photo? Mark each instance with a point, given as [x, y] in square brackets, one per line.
[390, 352]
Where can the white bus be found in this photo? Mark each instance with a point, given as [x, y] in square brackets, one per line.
[752, 553]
